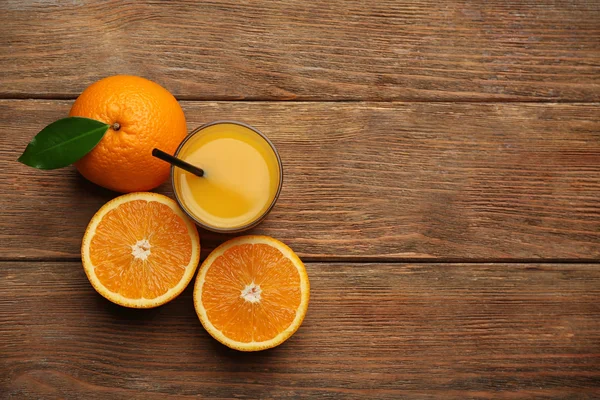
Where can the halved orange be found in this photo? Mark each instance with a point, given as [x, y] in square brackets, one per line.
[252, 293]
[140, 250]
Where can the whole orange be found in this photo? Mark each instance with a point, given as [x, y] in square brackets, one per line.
[142, 115]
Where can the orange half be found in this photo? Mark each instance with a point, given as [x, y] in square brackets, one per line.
[252, 293]
[140, 250]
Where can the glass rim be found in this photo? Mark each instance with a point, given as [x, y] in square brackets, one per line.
[253, 223]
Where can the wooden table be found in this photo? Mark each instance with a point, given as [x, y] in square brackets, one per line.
[442, 185]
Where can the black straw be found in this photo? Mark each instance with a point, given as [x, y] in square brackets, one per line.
[177, 162]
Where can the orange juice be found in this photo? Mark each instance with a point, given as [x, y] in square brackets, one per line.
[242, 176]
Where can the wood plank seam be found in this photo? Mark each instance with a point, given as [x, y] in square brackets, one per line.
[369, 260]
[199, 99]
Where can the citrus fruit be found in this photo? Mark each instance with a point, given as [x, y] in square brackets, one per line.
[140, 250]
[142, 115]
[251, 293]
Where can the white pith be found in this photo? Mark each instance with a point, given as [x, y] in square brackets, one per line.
[141, 249]
[251, 293]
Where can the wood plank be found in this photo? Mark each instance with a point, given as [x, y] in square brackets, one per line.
[316, 50]
[372, 331]
[362, 180]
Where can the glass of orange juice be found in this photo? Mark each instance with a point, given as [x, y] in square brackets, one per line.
[243, 176]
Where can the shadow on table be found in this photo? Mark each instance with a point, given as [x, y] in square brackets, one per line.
[85, 187]
[137, 316]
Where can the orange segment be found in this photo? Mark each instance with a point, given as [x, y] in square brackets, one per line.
[140, 250]
[252, 293]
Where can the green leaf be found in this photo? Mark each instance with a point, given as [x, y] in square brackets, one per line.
[63, 142]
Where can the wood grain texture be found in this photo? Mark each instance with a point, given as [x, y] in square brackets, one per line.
[307, 50]
[383, 331]
[363, 181]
